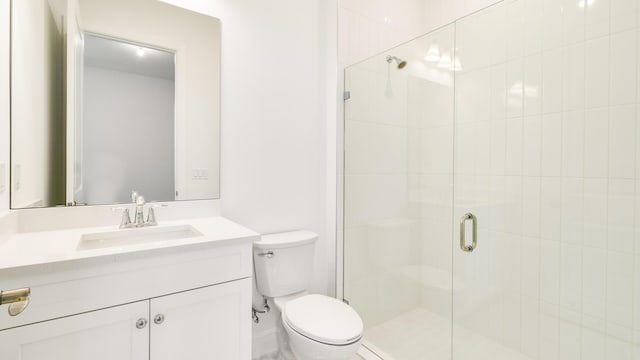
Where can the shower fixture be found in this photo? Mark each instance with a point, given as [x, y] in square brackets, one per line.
[401, 63]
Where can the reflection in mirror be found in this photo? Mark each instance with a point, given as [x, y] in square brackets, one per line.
[37, 111]
[112, 96]
[127, 101]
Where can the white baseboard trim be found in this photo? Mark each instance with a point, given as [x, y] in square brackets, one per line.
[367, 349]
[264, 343]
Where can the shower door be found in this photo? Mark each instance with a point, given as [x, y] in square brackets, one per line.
[516, 126]
[496, 245]
[398, 197]
[545, 160]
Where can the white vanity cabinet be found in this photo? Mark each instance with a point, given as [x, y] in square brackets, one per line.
[98, 335]
[207, 323]
[188, 299]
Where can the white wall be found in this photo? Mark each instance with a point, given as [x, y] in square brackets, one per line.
[4, 106]
[273, 103]
[128, 137]
[275, 119]
[36, 105]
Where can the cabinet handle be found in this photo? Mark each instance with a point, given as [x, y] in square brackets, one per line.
[159, 319]
[17, 299]
[141, 323]
[268, 254]
[463, 245]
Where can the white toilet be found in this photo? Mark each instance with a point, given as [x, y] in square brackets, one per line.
[319, 327]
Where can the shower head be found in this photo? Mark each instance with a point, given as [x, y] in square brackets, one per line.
[401, 63]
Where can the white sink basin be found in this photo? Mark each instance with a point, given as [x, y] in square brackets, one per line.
[121, 238]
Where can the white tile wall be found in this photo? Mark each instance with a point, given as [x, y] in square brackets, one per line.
[547, 154]
[569, 178]
[366, 28]
[398, 183]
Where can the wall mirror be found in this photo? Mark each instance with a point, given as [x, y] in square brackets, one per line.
[113, 96]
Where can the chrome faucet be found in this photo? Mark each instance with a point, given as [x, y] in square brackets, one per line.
[139, 201]
[139, 220]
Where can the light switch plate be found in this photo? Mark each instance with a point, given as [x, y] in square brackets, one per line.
[200, 174]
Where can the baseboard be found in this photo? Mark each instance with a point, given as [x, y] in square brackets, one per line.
[264, 343]
[366, 351]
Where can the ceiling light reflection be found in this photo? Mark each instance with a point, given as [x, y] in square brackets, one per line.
[585, 3]
[457, 64]
[519, 88]
[445, 60]
[433, 54]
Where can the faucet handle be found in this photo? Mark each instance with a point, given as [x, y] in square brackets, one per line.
[134, 196]
[126, 219]
[151, 215]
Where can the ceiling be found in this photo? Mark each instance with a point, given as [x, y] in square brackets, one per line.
[128, 57]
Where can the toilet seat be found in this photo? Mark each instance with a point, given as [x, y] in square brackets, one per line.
[323, 319]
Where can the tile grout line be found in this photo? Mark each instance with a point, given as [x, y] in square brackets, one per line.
[539, 299]
[606, 223]
[634, 262]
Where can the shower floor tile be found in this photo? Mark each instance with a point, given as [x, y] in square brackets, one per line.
[420, 334]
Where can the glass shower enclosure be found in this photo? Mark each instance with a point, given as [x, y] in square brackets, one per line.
[491, 193]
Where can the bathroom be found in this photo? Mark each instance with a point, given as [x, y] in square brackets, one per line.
[378, 126]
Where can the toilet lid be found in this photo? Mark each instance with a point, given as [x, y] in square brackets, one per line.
[323, 319]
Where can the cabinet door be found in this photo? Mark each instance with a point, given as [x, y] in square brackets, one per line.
[98, 335]
[208, 323]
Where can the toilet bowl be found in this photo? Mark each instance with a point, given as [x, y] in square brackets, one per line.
[321, 328]
[318, 327]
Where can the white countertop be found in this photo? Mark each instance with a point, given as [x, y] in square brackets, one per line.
[46, 247]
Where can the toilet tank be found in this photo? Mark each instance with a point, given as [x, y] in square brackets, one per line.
[283, 262]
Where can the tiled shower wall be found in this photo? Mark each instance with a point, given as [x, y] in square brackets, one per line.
[379, 231]
[398, 181]
[366, 27]
[547, 156]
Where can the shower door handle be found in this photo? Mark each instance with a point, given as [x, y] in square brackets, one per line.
[463, 242]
